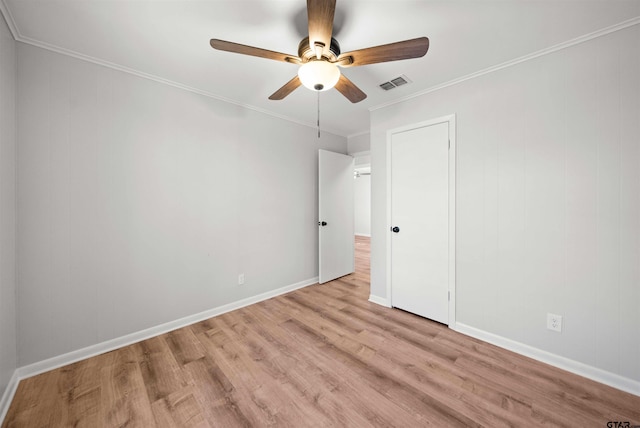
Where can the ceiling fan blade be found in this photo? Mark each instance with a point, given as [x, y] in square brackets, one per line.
[347, 88]
[414, 48]
[288, 87]
[320, 15]
[223, 45]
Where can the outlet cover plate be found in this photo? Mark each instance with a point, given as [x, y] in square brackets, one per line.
[554, 322]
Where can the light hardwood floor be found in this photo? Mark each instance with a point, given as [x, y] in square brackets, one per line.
[319, 356]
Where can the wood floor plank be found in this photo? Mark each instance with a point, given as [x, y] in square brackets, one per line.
[427, 380]
[317, 387]
[39, 407]
[160, 370]
[184, 345]
[217, 396]
[426, 408]
[319, 356]
[259, 397]
[124, 399]
[80, 392]
[180, 409]
[351, 389]
[258, 359]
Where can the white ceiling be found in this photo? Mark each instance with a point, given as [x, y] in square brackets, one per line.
[169, 40]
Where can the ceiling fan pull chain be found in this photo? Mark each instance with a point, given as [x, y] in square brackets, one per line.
[318, 113]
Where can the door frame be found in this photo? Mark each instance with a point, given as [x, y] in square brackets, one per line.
[451, 121]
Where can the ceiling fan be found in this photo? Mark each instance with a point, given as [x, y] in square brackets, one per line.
[319, 55]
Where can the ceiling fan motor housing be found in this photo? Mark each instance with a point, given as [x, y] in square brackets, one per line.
[307, 53]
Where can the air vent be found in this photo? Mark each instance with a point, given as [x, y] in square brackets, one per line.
[394, 83]
[387, 85]
[399, 81]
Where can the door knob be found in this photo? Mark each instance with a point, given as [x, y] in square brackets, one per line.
[322, 223]
[395, 229]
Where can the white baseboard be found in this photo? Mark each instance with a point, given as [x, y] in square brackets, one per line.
[366, 235]
[620, 382]
[379, 301]
[100, 348]
[7, 397]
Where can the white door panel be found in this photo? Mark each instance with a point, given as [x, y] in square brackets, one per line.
[335, 216]
[420, 209]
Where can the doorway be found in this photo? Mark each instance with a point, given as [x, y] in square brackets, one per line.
[421, 213]
[362, 199]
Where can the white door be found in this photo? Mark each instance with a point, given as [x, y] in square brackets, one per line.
[420, 221]
[335, 215]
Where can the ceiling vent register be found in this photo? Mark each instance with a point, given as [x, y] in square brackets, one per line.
[394, 83]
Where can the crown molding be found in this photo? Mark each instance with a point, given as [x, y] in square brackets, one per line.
[8, 17]
[158, 79]
[564, 45]
[67, 52]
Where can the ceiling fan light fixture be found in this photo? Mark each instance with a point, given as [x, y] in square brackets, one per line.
[319, 75]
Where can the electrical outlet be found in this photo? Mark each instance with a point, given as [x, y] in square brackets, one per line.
[554, 322]
[241, 279]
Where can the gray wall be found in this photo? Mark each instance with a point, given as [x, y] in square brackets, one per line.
[359, 143]
[548, 199]
[140, 203]
[7, 205]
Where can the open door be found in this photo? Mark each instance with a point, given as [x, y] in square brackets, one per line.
[335, 215]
